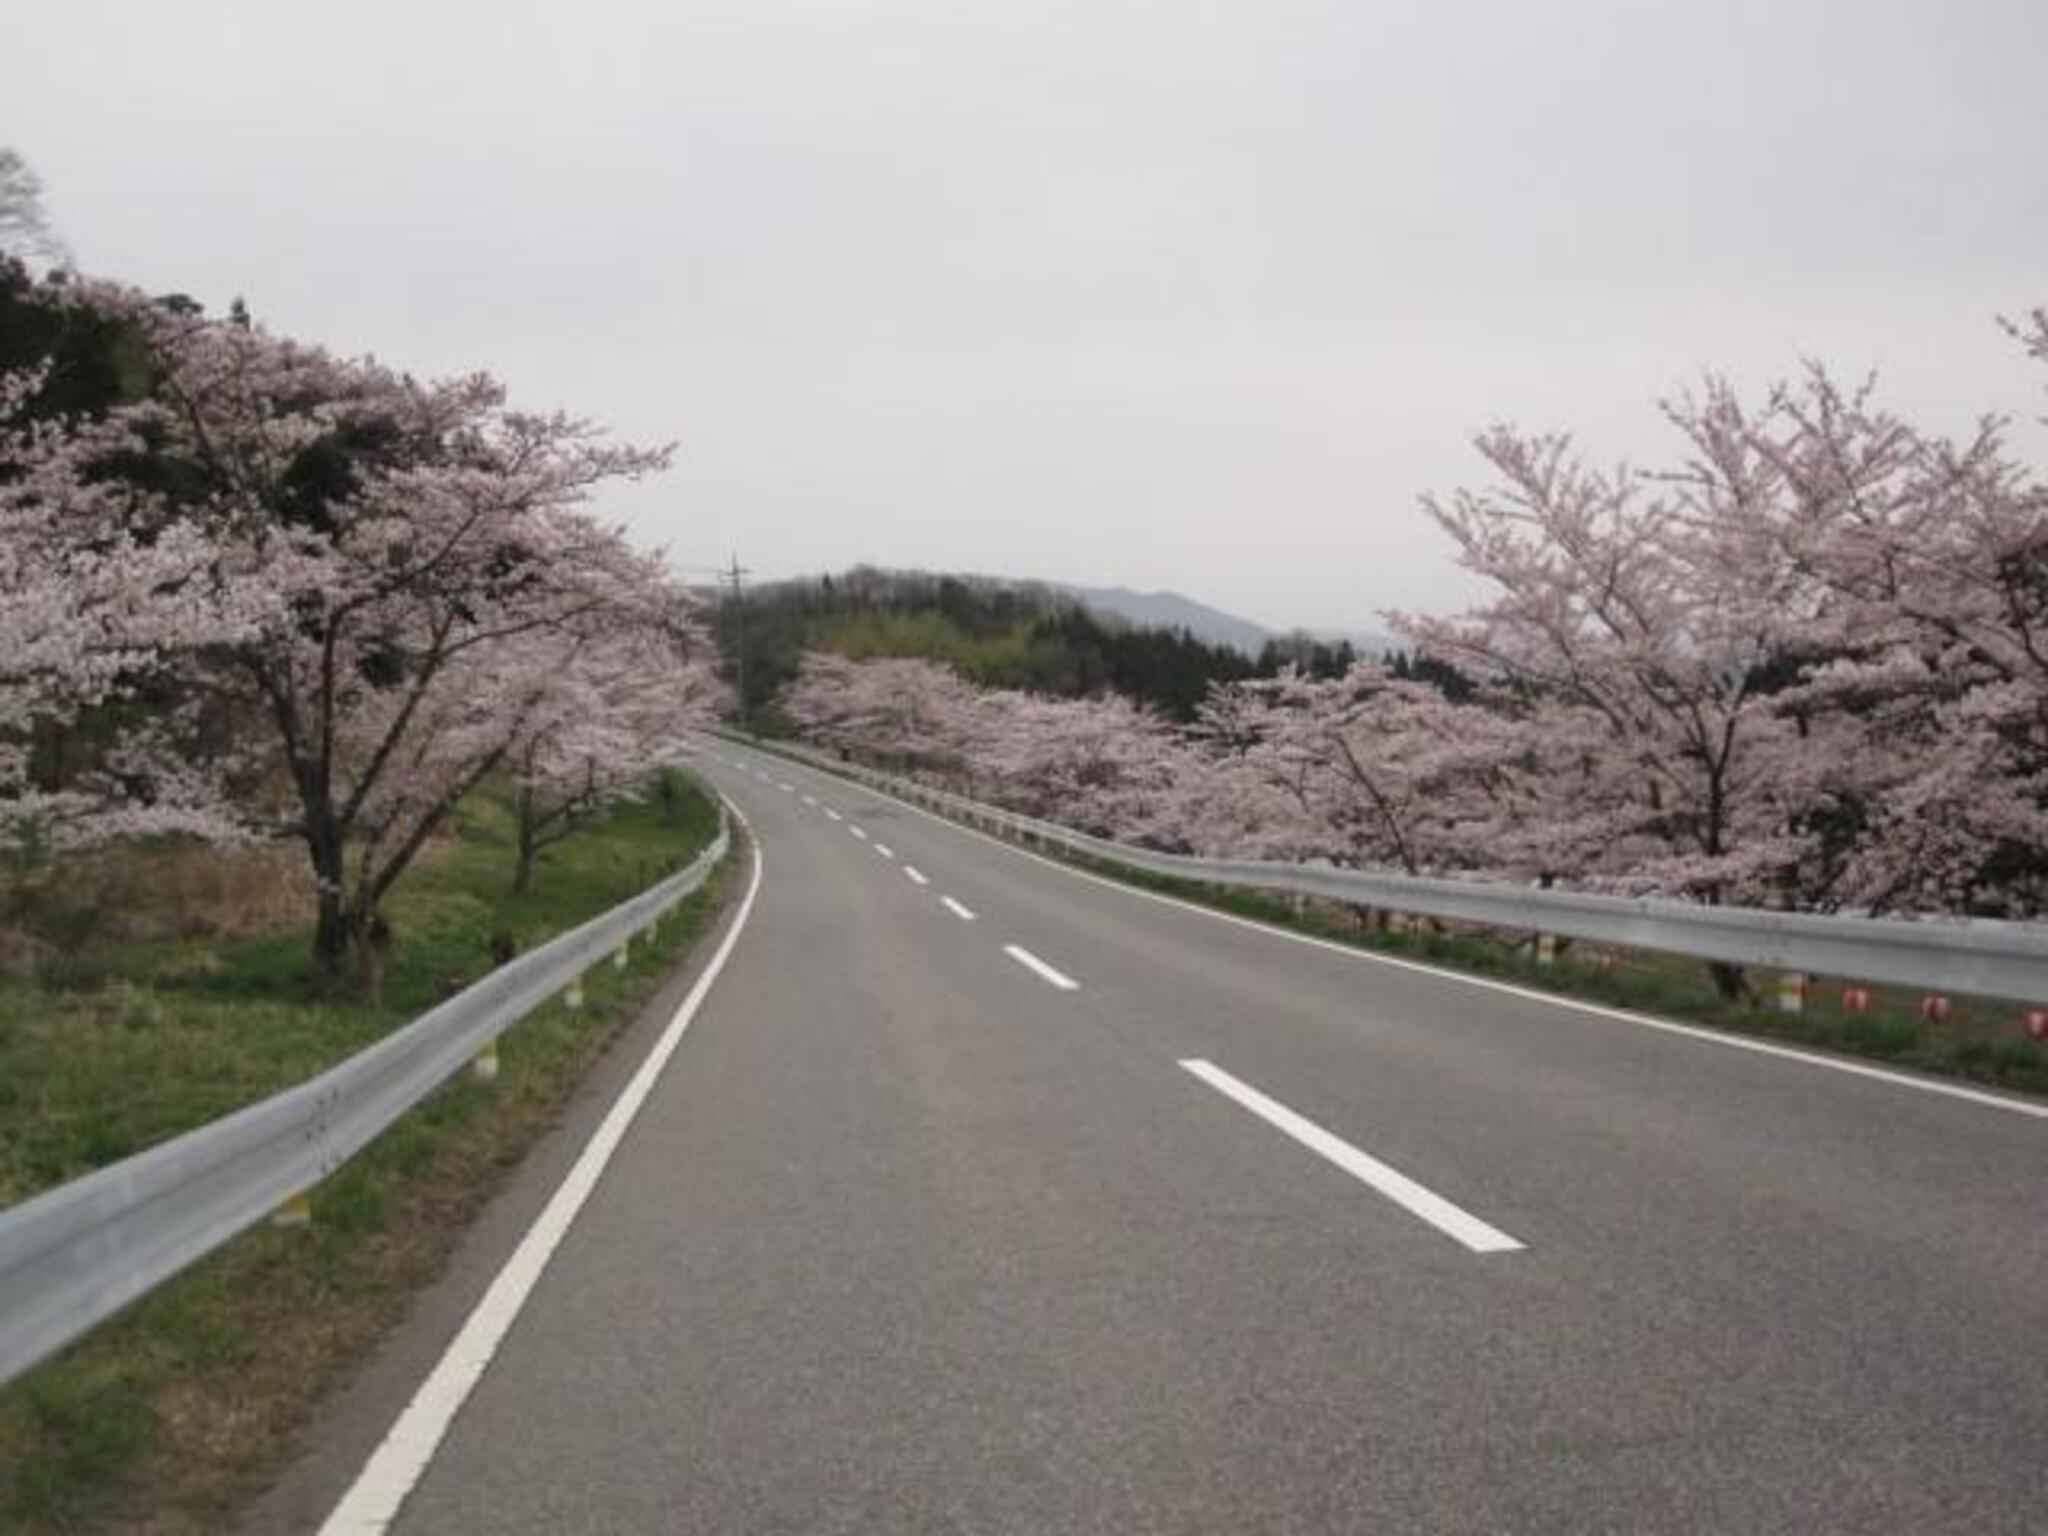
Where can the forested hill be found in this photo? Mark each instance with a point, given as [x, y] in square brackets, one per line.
[999, 634]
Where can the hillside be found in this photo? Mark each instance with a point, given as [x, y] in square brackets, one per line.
[1172, 610]
[1004, 634]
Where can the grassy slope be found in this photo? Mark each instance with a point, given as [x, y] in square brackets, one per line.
[999, 659]
[167, 1417]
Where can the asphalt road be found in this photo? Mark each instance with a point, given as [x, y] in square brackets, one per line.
[1094, 1213]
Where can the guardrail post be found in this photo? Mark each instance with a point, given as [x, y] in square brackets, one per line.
[573, 997]
[1546, 949]
[619, 955]
[484, 1065]
[1792, 987]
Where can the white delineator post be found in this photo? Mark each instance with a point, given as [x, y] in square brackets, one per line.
[297, 1211]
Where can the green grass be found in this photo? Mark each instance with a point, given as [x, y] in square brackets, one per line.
[997, 659]
[167, 1417]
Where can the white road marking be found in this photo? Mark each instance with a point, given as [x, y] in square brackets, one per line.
[1395, 1185]
[811, 800]
[956, 909]
[787, 789]
[373, 1500]
[858, 831]
[1705, 1036]
[885, 850]
[915, 878]
[1031, 962]
[833, 814]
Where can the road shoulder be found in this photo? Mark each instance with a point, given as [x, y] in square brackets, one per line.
[347, 1428]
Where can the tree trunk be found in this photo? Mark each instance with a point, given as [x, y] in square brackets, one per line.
[371, 938]
[1729, 981]
[529, 846]
[369, 945]
[331, 929]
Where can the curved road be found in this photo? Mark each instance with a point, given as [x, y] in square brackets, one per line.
[985, 1197]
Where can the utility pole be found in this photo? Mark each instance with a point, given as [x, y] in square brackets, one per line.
[737, 574]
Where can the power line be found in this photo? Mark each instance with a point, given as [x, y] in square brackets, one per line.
[736, 574]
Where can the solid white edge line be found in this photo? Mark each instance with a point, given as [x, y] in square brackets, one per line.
[1031, 962]
[1697, 1032]
[914, 875]
[1412, 1197]
[956, 909]
[396, 1466]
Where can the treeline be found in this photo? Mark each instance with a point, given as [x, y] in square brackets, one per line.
[1021, 636]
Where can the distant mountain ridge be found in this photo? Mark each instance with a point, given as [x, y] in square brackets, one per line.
[1170, 610]
[1162, 609]
[1174, 610]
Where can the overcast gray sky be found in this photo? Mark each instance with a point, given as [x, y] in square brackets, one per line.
[1163, 294]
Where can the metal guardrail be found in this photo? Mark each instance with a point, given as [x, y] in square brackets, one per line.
[75, 1255]
[1971, 956]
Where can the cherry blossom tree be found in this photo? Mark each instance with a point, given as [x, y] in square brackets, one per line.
[1364, 770]
[1927, 565]
[620, 703]
[1101, 764]
[1621, 621]
[97, 590]
[333, 556]
[907, 713]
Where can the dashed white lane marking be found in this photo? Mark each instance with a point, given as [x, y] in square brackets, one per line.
[858, 831]
[911, 873]
[885, 850]
[373, 1500]
[833, 814]
[1395, 1185]
[811, 800]
[1031, 962]
[956, 909]
[787, 789]
[2032, 1109]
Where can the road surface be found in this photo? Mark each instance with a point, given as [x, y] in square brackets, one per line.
[981, 1196]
